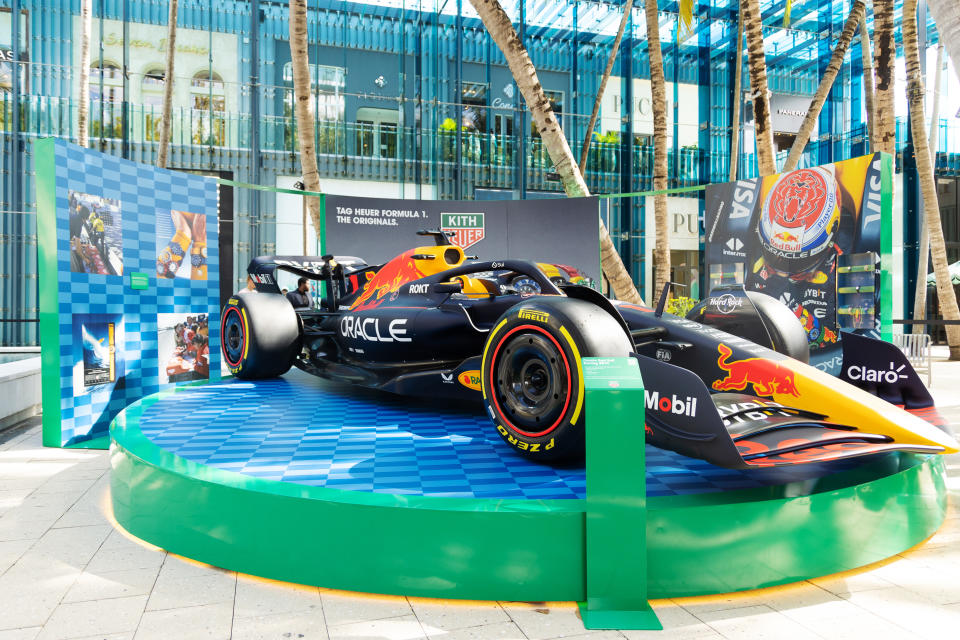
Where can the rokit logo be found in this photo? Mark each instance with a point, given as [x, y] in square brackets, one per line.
[686, 406]
[419, 288]
[727, 303]
[865, 374]
[369, 329]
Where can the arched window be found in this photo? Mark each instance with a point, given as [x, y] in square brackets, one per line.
[106, 99]
[151, 87]
[209, 103]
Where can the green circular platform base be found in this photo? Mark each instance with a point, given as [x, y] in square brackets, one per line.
[513, 549]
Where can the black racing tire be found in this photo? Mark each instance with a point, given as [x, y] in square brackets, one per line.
[259, 335]
[532, 373]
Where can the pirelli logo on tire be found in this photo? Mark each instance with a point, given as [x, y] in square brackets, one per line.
[535, 316]
[523, 445]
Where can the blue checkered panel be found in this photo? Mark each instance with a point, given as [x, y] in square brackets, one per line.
[140, 191]
[301, 429]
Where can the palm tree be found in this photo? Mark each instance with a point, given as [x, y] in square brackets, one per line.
[658, 90]
[627, 8]
[826, 83]
[946, 13]
[868, 89]
[83, 103]
[928, 186]
[885, 53]
[757, 64]
[923, 256]
[303, 106]
[498, 25]
[737, 98]
[168, 86]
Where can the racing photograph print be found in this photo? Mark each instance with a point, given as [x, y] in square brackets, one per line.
[184, 351]
[96, 244]
[181, 245]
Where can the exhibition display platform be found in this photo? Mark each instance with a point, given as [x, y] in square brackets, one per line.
[311, 482]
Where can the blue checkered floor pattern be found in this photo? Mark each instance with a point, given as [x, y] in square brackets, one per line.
[301, 429]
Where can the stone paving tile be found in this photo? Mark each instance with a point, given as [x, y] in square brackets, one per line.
[112, 584]
[678, 624]
[449, 615]
[257, 597]
[211, 621]
[755, 623]
[177, 593]
[345, 607]
[81, 619]
[20, 634]
[402, 628]
[543, 620]
[493, 631]
[305, 625]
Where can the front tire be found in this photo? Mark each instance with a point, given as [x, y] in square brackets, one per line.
[259, 335]
[532, 375]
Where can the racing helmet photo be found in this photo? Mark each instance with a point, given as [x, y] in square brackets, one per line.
[799, 220]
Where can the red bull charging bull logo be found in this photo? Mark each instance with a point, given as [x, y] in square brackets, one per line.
[767, 377]
[390, 278]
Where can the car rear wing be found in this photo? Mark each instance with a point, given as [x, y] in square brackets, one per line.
[341, 274]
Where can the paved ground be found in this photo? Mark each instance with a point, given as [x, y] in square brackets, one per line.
[67, 572]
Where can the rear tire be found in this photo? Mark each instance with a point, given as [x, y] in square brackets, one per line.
[259, 335]
[532, 375]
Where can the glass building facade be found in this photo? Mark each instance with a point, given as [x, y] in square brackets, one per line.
[413, 99]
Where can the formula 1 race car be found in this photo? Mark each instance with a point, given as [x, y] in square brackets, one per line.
[729, 384]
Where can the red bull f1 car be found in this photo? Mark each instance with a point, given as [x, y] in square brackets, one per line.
[728, 384]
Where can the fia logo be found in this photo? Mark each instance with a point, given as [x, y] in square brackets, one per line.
[664, 355]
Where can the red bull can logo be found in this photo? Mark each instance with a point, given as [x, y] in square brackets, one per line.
[767, 377]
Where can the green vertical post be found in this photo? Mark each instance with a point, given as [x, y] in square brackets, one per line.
[616, 527]
[886, 247]
[46, 181]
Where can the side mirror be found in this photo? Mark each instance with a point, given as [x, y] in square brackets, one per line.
[454, 286]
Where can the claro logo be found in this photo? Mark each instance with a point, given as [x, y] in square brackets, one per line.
[865, 374]
[686, 406]
[369, 329]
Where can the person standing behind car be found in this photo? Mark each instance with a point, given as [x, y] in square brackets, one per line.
[300, 297]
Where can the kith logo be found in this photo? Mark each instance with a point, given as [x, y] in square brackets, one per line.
[681, 407]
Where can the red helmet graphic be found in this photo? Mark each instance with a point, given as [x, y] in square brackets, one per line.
[799, 218]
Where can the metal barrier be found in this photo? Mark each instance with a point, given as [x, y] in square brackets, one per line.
[916, 346]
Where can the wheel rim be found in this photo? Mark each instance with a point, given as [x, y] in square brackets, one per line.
[531, 381]
[233, 337]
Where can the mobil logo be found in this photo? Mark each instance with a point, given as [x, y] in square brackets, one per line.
[685, 406]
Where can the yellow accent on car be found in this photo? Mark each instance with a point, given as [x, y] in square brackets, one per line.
[246, 332]
[576, 356]
[549, 270]
[536, 316]
[483, 359]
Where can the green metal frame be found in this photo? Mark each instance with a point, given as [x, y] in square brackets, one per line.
[530, 550]
[45, 166]
[887, 265]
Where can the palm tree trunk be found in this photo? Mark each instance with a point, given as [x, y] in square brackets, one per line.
[524, 73]
[826, 83]
[658, 90]
[928, 186]
[946, 14]
[923, 256]
[757, 61]
[83, 100]
[165, 117]
[885, 53]
[303, 106]
[868, 89]
[737, 98]
[627, 8]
